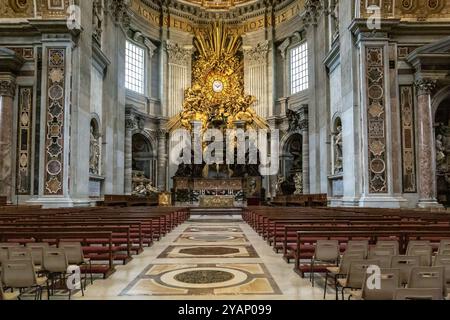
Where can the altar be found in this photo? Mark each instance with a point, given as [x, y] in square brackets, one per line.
[215, 193]
[217, 202]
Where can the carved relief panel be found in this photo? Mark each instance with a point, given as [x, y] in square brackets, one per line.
[408, 144]
[54, 139]
[376, 117]
[24, 133]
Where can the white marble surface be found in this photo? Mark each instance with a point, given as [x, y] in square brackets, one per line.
[291, 285]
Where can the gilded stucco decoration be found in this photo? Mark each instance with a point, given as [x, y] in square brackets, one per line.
[414, 10]
[217, 92]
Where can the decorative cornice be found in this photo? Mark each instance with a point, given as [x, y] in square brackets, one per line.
[10, 61]
[150, 46]
[283, 47]
[139, 37]
[233, 15]
[425, 86]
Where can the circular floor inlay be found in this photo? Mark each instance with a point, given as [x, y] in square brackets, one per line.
[211, 238]
[209, 251]
[204, 276]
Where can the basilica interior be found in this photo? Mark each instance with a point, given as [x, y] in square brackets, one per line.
[353, 98]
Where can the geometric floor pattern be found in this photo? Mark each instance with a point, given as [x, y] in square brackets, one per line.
[208, 242]
[207, 257]
[203, 279]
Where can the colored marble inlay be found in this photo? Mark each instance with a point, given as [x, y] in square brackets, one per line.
[54, 146]
[24, 128]
[203, 279]
[376, 119]
[408, 144]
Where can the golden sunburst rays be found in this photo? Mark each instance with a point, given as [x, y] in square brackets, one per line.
[217, 42]
[218, 63]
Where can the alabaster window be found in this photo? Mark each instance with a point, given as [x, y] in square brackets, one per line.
[134, 68]
[299, 68]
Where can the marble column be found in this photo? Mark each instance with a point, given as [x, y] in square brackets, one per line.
[305, 135]
[304, 127]
[7, 91]
[426, 150]
[162, 160]
[130, 124]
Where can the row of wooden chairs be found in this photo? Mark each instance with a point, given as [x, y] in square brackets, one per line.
[39, 265]
[107, 234]
[297, 232]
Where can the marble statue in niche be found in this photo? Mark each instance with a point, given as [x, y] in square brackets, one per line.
[293, 163]
[97, 19]
[94, 152]
[440, 154]
[443, 149]
[142, 186]
[293, 119]
[335, 16]
[140, 190]
[338, 163]
[442, 146]
[298, 181]
[279, 183]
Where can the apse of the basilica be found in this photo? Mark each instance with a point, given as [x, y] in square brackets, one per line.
[359, 92]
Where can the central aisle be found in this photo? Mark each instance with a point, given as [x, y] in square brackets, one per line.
[208, 257]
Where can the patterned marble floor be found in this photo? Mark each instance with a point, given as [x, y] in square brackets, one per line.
[208, 257]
